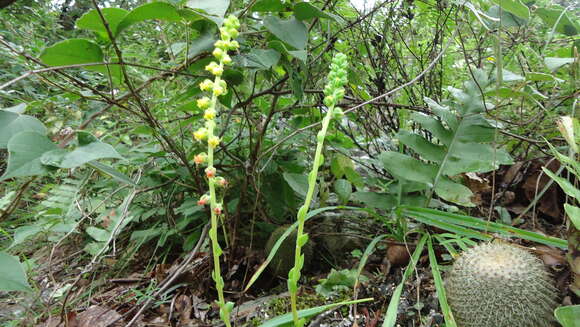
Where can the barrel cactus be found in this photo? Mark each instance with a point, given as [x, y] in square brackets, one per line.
[500, 285]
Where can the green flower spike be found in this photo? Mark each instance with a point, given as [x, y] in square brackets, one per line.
[207, 133]
[334, 92]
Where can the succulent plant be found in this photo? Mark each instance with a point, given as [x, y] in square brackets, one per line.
[500, 285]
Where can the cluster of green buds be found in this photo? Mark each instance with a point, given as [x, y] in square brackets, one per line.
[207, 133]
[334, 92]
[337, 78]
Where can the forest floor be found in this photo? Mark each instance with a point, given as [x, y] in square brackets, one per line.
[179, 290]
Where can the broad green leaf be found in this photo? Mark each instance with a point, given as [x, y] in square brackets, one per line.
[260, 59]
[336, 280]
[507, 19]
[568, 315]
[17, 109]
[22, 233]
[154, 10]
[434, 126]
[565, 24]
[444, 113]
[12, 275]
[202, 43]
[565, 184]
[475, 157]
[268, 6]
[454, 192]
[290, 31]
[190, 15]
[421, 146]
[573, 213]
[375, 200]
[554, 63]
[515, 7]
[25, 150]
[286, 319]
[353, 176]
[541, 77]
[474, 128]
[98, 234]
[215, 9]
[108, 170]
[280, 47]
[71, 52]
[509, 93]
[406, 167]
[94, 248]
[80, 51]
[92, 21]
[298, 182]
[509, 76]
[339, 163]
[305, 11]
[343, 190]
[233, 76]
[89, 149]
[12, 123]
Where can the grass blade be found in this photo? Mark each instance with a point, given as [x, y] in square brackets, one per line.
[391, 315]
[441, 294]
[363, 261]
[457, 223]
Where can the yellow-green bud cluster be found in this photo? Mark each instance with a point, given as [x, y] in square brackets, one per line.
[337, 78]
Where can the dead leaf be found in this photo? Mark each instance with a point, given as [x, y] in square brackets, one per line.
[98, 316]
[535, 182]
[552, 257]
[183, 309]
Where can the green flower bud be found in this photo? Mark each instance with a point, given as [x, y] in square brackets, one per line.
[206, 85]
[329, 101]
[234, 45]
[337, 113]
[218, 52]
[203, 103]
[227, 60]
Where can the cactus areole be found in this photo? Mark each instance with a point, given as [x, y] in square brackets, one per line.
[500, 285]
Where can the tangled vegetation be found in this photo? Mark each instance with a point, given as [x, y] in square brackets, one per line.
[157, 156]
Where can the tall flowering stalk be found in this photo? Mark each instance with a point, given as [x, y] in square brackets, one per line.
[334, 92]
[217, 87]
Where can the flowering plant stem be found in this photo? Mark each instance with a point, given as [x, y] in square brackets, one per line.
[217, 87]
[334, 92]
